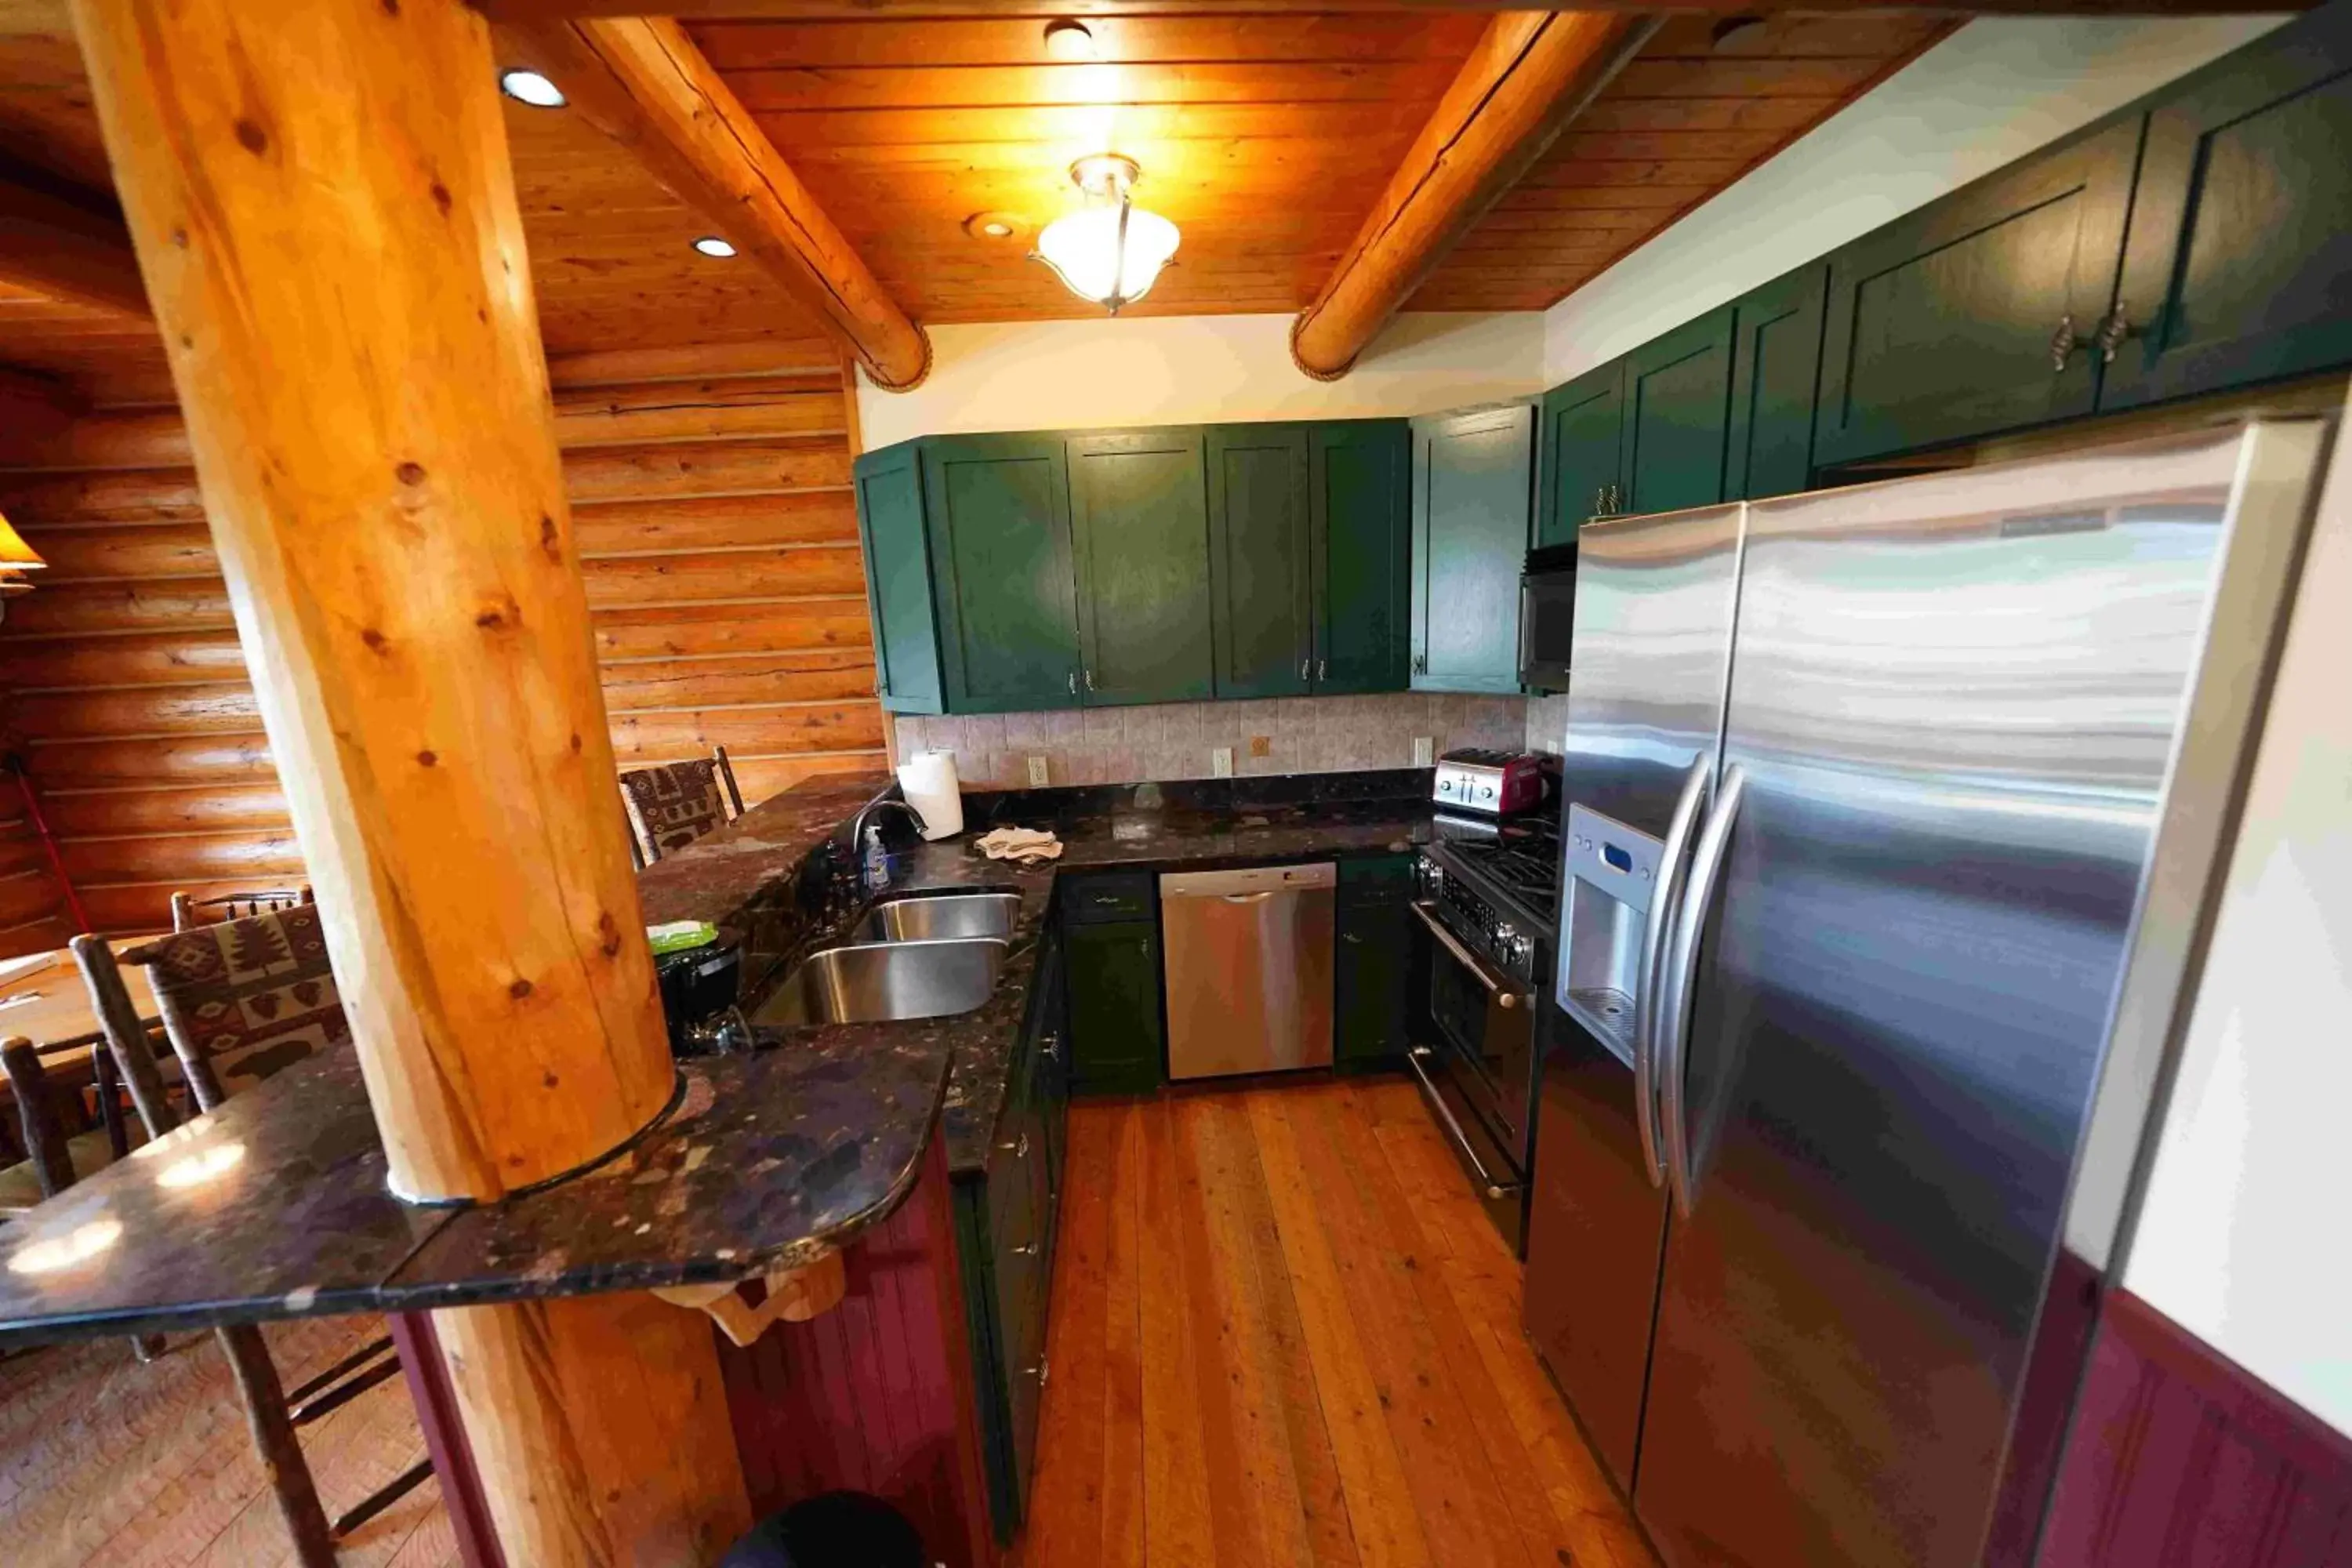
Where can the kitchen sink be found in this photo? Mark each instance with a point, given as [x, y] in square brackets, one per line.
[946, 916]
[870, 982]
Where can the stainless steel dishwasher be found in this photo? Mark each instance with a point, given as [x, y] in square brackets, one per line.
[1249, 961]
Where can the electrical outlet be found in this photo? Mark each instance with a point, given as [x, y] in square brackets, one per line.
[1261, 745]
[1221, 762]
[1038, 777]
[1425, 752]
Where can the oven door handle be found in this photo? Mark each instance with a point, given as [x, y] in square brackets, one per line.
[1504, 993]
[1485, 1178]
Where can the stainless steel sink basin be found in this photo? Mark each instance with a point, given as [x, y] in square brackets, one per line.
[941, 918]
[874, 982]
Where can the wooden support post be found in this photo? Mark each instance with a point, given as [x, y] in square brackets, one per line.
[1530, 74]
[324, 213]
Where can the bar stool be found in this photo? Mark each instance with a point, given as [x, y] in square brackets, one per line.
[673, 803]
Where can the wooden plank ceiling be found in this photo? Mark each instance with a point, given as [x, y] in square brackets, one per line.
[1265, 137]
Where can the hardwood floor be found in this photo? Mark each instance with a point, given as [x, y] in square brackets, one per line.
[1284, 1333]
[103, 1460]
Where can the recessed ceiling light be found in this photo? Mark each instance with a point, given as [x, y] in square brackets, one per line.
[529, 86]
[712, 244]
[1070, 41]
[993, 227]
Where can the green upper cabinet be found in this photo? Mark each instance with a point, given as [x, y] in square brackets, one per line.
[2239, 265]
[1677, 406]
[1776, 369]
[1472, 515]
[1000, 553]
[1141, 508]
[1583, 438]
[1360, 487]
[1978, 313]
[898, 580]
[1261, 560]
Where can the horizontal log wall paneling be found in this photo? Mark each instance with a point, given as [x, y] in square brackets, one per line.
[717, 534]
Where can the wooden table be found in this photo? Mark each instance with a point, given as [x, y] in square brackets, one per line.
[43, 998]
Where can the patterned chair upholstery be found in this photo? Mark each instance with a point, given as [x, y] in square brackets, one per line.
[673, 805]
[246, 998]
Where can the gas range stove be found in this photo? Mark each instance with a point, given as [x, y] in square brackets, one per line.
[1497, 886]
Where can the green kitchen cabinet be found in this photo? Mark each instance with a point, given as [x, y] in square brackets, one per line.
[1359, 489]
[898, 580]
[1583, 440]
[2238, 268]
[1261, 560]
[1980, 312]
[1140, 507]
[1676, 417]
[1006, 1221]
[1472, 515]
[1003, 567]
[1117, 1030]
[1372, 961]
[1776, 371]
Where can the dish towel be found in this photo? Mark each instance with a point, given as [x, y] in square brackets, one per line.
[1026, 846]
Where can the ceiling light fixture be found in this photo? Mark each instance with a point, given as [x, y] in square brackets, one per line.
[16, 558]
[529, 86]
[712, 244]
[1071, 42]
[1112, 251]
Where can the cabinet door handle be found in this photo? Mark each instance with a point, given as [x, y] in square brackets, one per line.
[1090, 680]
[1616, 500]
[1074, 683]
[1037, 1372]
[1322, 669]
[1018, 1150]
[2062, 345]
[1052, 1048]
[1303, 667]
[1421, 664]
[1028, 1251]
[2114, 331]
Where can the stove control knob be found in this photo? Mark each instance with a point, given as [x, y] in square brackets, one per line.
[1515, 948]
[1486, 792]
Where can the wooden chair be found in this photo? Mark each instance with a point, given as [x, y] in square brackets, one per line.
[189, 911]
[674, 803]
[242, 1000]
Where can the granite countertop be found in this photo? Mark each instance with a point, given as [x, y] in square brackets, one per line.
[275, 1206]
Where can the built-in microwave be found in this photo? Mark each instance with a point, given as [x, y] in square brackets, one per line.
[1547, 616]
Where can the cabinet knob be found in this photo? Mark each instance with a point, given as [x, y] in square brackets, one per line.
[2114, 331]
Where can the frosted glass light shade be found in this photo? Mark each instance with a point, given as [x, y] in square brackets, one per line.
[1084, 249]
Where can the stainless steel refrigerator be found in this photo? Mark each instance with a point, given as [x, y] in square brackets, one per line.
[1880, 802]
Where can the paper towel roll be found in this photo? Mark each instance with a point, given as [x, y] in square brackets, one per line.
[928, 779]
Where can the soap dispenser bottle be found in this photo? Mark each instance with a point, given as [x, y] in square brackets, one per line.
[877, 859]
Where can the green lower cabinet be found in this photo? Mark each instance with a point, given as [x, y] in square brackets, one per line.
[2239, 265]
[1360, 489]
[1776, 371]
[1140, 507]
[1583, 438]
[1979, 313]
[1116, 1041]
[1373, 963]
[1472, 514]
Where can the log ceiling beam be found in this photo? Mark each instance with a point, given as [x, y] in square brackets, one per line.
[68, 252]
[1530, 74]
[644, 82]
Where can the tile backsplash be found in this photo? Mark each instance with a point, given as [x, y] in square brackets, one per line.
[1179, 740]
[1547, 724]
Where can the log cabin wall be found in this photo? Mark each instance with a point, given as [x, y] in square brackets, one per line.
[718, 537]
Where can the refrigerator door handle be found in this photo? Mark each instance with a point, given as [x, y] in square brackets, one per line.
[1674, 1004]
[1654, 953]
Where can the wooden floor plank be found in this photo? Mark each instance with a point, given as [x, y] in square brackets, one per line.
[1123, 1544]
[1177, 1524]
[1386, 1529]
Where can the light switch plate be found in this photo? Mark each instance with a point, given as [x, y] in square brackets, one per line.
[1221, 762]
[1425, 752]
[1038, 776]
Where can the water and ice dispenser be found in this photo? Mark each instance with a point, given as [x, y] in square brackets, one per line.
[1612, 874]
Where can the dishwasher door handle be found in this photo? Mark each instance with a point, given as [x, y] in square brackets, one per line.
[1446, 1119]
[1248, 898]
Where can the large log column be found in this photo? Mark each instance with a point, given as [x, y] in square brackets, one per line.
[322, 201]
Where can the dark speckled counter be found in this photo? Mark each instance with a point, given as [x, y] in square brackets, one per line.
[275, 1207]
